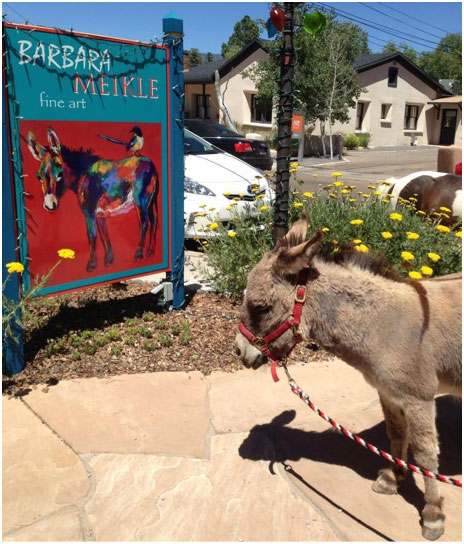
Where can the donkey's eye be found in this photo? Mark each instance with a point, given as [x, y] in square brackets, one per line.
[59, 177]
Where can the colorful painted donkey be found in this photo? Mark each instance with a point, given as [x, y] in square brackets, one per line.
[104, 188]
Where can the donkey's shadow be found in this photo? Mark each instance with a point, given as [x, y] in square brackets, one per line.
[330, 447]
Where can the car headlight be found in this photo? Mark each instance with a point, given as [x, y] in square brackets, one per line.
[196, 188]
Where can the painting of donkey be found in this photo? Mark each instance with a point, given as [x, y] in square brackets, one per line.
[353, 309]
[104, 188]
[431, 191]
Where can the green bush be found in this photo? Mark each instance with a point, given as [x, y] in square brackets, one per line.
[364, 139]
[232, 254]
[351, 141]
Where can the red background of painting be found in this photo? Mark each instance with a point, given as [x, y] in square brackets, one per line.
[47, 232]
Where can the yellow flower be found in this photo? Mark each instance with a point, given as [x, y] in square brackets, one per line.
[298, 204]
[226, 194]
[365, 195]
[202, 206]
[426, 270]
[211, 209]
[371, 187]
[325, 229]
[377, 193]
[356, 222]
[445, 209]
[415, 275]
[336, 174]
[332, 195]
[352, 200]
[315, 175]
[294, 164]
[386, 183]
[308, 194]
[14, 267]
[352, 187]
[362, 248]
[232, 233]
[262, 208]
[200, 214]
[229, 207]
[387, 235]
[407, 256]
[412, 235]
[213, 226]
[420, 212]
[396, 216]
[338, 183]
[357, 241]
[442, 228]
[292, 170]
[66, 253]
[433, 257]
[260, 197]
[345, 192]
[412, 199]
[459, 234]
[335, 241]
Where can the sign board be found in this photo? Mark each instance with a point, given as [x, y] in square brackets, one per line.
[90, 142]
[297, 125]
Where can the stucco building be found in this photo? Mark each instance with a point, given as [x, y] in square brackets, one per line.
[401, 104]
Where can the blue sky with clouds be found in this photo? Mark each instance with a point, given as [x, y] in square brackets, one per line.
[208, 24]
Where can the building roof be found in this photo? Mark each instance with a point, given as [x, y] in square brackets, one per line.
[204, 73]
[457, 99]
[363, 63]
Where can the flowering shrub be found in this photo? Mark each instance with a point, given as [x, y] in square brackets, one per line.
[363, 221]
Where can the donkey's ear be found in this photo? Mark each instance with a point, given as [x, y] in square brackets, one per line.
[37, 151]
[296, 235]
[53, 141]
[293, 259]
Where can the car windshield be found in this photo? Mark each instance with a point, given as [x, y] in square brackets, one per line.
[194, 145]
[212, 129]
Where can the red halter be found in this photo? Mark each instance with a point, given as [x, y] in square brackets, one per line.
[292, 322]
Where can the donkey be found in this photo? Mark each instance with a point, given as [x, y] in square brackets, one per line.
[104, 188]
[350, 310]
[432, 190]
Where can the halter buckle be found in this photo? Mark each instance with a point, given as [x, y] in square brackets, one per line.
[300, 299]
[259, 343]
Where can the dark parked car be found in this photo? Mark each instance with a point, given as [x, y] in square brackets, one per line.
[254, 152]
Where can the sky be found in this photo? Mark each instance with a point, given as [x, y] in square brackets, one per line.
[208, 24]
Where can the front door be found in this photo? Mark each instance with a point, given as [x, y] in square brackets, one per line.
[448, 127]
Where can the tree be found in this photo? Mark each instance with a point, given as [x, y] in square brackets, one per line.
[404, 48]
[209, 57]
[194, 57]
[326, 84]
[245, 31]
[446, 61]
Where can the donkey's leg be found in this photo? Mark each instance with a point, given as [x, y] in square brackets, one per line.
[143, 221]
[105, 238]
[92, 237]
[152, 218]
[391, 477]
[422, 431]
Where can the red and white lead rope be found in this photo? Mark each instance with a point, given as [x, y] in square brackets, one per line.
[395, 460]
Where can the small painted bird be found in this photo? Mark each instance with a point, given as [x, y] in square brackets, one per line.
[135, 144]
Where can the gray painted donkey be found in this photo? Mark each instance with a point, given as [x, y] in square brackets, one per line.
[403, 335]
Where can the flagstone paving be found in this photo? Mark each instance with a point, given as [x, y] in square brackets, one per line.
[230, 456]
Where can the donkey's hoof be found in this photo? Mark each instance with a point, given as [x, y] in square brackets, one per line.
[109, 261]
[433, 531]
[138, 256]
[150, 252]
[433, 521]
[386, 483]
[91, 265]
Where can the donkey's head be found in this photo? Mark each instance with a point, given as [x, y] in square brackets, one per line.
[51, 169]
[270, 293]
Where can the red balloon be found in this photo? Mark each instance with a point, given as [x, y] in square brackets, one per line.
[277, 17]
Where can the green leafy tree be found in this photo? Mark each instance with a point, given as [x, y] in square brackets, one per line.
[317, 61]
[209, 57]
[404, 48]
[245, 31]
[445, 62]
[194, 57]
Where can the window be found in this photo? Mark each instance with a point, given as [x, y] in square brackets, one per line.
[202, 103]
[360, 115]
[261, 110]
[411, 115]
[385, 112]
[392, 77]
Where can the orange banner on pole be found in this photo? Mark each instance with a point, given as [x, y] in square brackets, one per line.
[297, 124]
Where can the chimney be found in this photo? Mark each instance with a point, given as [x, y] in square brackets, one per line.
[186, 61]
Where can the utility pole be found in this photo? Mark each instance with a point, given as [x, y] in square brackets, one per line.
[284, 119]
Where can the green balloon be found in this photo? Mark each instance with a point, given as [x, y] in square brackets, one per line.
[314, 22]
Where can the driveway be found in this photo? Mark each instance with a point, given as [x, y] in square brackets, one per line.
[369, 166]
